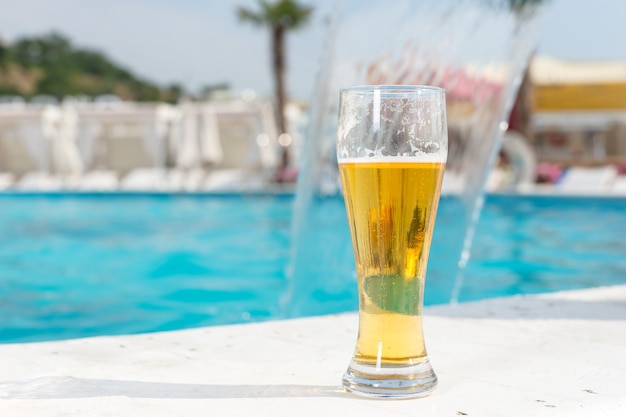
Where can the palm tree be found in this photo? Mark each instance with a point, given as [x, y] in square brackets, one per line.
[280, 16]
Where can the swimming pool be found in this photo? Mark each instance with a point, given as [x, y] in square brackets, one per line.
[93, 264]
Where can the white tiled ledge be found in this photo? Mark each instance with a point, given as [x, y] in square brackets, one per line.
[561, 354]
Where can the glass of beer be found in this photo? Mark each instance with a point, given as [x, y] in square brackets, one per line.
[392, 148]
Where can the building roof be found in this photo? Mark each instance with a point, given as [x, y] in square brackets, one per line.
[550, 71]
[560, 85]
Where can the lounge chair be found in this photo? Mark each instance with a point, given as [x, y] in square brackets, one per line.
[619, 186]
[40, 181]
[6, 180]
[583, 180]
[99, 180]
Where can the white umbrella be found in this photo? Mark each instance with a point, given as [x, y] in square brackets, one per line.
[37, 135]
[188, 147]
[210, 137]
[66, 154]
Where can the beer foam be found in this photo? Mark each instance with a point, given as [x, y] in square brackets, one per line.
[437, 157]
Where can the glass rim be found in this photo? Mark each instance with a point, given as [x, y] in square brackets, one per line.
[399, 89]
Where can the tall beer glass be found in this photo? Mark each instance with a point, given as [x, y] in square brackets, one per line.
[392, 147]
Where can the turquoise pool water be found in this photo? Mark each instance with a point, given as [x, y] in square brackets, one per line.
[528, 245]
[84, 265]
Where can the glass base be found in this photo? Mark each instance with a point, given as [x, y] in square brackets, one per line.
[412, 381]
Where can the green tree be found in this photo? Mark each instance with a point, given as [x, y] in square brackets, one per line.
[4, 53]
[173, 93]
[208, 90]
[59, 69]
[280, 17]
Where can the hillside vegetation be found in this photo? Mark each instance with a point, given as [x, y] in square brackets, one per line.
[51, 65]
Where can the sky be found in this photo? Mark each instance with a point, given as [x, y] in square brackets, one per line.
[201, 42]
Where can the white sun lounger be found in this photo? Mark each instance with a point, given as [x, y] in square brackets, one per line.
[582, 180]
[619, 186]
[39, 181]
[162, 179]
[6, 180]
[235, 180]
[99, 180]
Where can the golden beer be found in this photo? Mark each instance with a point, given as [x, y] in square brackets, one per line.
[392, 144]
[391, 209]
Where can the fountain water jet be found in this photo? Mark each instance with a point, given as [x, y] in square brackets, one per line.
[478, 50]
